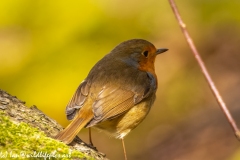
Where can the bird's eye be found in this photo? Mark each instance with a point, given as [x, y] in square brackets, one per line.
[145, 53]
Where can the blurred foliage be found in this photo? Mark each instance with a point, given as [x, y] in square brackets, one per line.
[48, 47]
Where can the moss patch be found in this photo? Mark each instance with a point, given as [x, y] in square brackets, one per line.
[21, 141]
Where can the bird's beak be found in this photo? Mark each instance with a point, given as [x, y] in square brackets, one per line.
[161, 50]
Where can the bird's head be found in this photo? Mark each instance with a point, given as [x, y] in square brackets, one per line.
[138, 53]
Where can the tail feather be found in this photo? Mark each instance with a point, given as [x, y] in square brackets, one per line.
[70, 132]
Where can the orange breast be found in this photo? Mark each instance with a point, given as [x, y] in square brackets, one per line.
[147, 65]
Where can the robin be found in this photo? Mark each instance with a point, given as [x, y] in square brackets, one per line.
[117, 94]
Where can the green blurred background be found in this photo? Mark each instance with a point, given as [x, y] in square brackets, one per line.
[48, 47]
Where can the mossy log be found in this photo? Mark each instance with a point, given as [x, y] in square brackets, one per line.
[26, 133]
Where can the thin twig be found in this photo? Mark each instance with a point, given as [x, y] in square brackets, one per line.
[204, 70]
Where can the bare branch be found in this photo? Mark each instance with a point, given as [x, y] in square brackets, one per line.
[204, 70]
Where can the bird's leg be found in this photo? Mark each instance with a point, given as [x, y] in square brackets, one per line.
[124, 149]
[90, 137]
[90, 140]
[90, 145]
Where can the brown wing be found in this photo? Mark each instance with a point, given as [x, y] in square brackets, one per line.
[109, 101]
[77, 100]
[112, 102]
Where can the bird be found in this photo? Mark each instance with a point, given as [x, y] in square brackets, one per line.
[117, 94]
